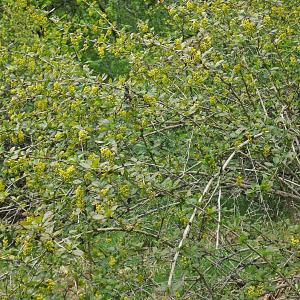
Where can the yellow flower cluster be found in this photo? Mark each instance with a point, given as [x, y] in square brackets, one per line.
[59, 135]
[143, 27]
[5, 243]
[237, 68]
[255, 291]
[68, 173]
[248, 25]
[267, 20]
[248, 136]
[75, 39]
[50, 284]
[206, 44]
[94, 89]
[79, 192]
[39, 297]
[80, 204]
[239, 180]
[153, 73]
[112, 261]
[49, 245]
[41, 104]
[190, 5]
[150, 99]
[101, 50]
[106, 153]
[99, 208]
[266, 150]
[278, 11]
[39, 168]
[295, 241]
[2, 186]
[71, 89]
[104, 192]
[56, 86]
[212, 100]
[293, 59]
[27, 246]
[124, 190]
[82, 135]
[88, 175]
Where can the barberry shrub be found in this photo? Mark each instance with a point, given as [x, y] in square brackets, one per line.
[139, 163]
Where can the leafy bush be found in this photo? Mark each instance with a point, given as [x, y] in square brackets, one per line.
[172, 171]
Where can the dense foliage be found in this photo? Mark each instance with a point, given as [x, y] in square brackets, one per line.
[149, 149]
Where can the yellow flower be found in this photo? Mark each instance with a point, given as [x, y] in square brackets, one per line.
[206, 44]
[27, 247]
[248, 136]
[178, 44]
[237, 68]
[94, 89]
[251, 290]
[124, 190]
[140, 277]
[99, 208]
[225, 8]
[59, 135]
[82, 134]
[293, 60]
[71, 89]
[143, 27]
[248, 25]
[153, 72]
[21, 136]
[101, 51]
[255, 291]
[122, 113]
[2, 186]
[106, 153]
[104, 170]
[50, 284]
[40, 167]
[88, 175]
[4, 243]
[278, 11]
[70, 170]
[204, 23]
[267, 20]
[41, 104]
[86, 89]
[79, 192]
[80, 203]
[66, 174]
[190, 5]
[56, 86]
[39, 297]
[149, 99]
[295, 241]
[196, 25]
[112, 261]
[104, 192]
[49, 245]
[266, 150]
[239, 180]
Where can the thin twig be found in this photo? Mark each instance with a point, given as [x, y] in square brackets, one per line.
[219, 219]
